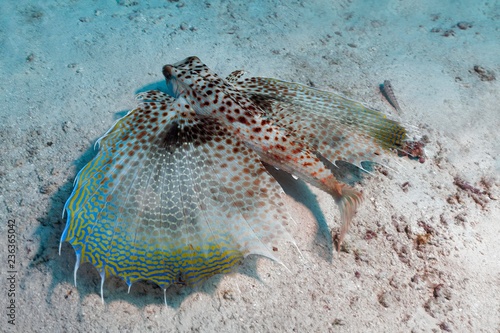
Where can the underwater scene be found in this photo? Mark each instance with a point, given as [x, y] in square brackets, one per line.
[250, 166]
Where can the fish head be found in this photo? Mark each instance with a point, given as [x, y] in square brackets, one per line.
[194, 81]
[191, 82]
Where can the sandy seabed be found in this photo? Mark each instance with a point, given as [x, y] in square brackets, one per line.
[423, 254]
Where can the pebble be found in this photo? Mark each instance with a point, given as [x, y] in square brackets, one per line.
[484, 74]
[448, 33]
[127, 3]
[385, 299]
[464, 25]
[228, 295]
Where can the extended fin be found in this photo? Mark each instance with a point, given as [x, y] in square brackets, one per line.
[154, 204]
[103, 277]
[348, 203]
[347, 199]
[77, 265]
[340, 128]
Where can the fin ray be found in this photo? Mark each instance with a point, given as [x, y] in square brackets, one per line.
[122, 220]
[340, 128]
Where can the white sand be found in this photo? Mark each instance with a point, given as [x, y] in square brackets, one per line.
[70, 68]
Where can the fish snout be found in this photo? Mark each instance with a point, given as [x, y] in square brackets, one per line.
[167, 72]
[173, 86]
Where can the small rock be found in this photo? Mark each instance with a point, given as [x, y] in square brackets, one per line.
[30, 57]
[385, 299]
[484, 74]
[184, 26]
[47, 188]
[127, 3]
[445, 326]
[338, 322]
[448, 33]
[464, 25]
[228, 295]
[67, 126]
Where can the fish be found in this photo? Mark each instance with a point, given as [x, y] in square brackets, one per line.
[388, 93]
[179, 191]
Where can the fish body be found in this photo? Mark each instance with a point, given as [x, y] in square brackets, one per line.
[178, 191]
[211, 96]
[388, 93]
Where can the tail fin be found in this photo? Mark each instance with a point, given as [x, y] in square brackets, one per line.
[348, 202]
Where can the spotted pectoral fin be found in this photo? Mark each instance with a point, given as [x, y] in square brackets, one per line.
[340, 128]
[172, 198]
[329, 139]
